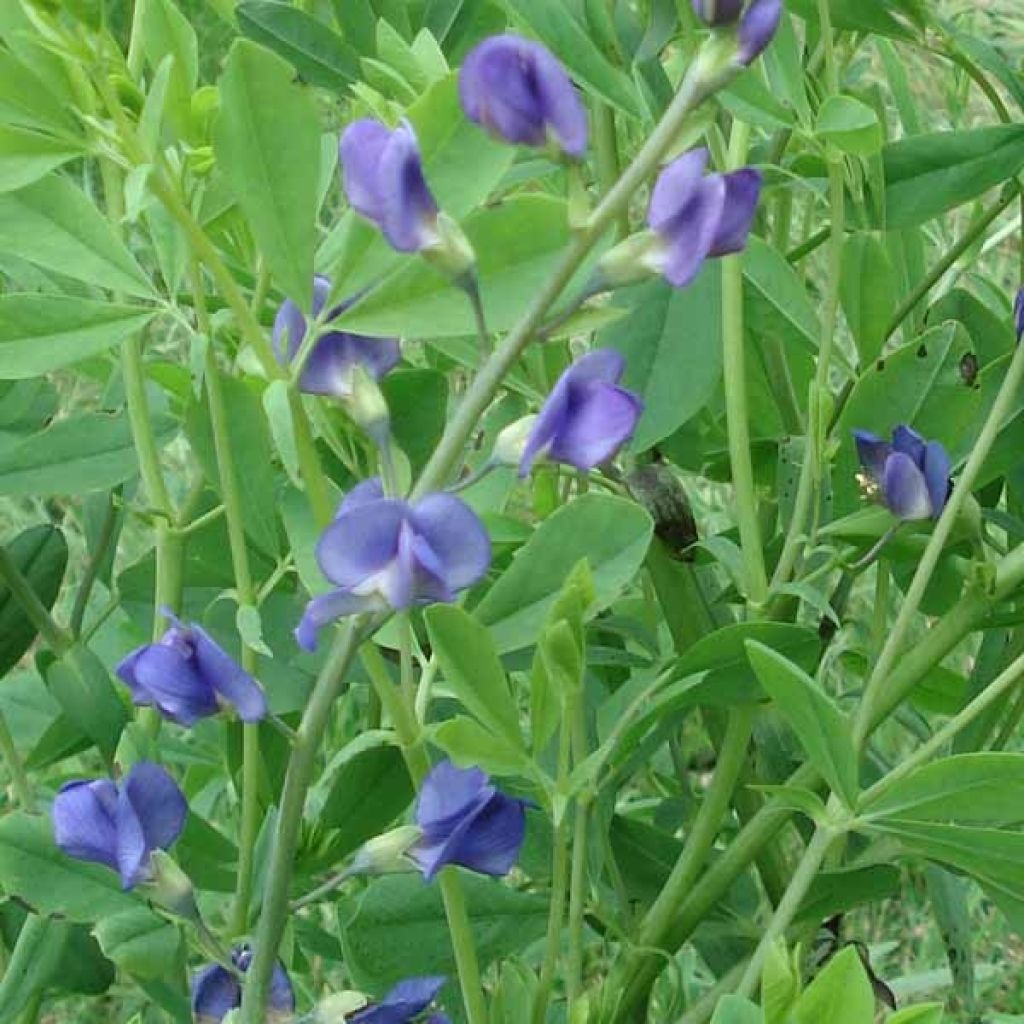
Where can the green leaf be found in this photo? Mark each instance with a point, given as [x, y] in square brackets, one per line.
[611, 533]
[166, 31]
[948, 895]
[418, 403]
[357, 20]
[851, 126]
[32, 963]
[41, 554]
[139, 942]
[36, 872]
[837, 892]
[928, 175]
[322, 57]
[777, 300]
[27, 102]
[52, 223]
[868, 293]
[87, 452]
[470, 664]
[25, 155]
[82, 686]
[819, 725]
[926, 1013]
[974, 788]
[671, 341]
[899, 19]
[400, 930]
[40, 333]
[737, 1010]
[267, 141]
[469, 744]
[840, 994]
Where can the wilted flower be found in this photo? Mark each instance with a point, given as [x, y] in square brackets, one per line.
[403, 1004]
[187, 676]
[120, 824]
[216, 991]
[389, 553]
[517, 90]
[757, 29]
[717, 12]
[384, 182]
[1018, 314]
[910, 475]
[329, 368]
[587, 417]
[467, 821]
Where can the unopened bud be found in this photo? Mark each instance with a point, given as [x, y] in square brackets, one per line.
[511, 442]
[366, 404]
[717, 12]
[337, 1008]
[170, 888]
[452, 252]
[634, 259]
[386, 854]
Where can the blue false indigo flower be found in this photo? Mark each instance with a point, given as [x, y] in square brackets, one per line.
[1018, 314]
[216, 991]
[910, 476]
[717, 12]
[187, 676]
[586, 418]
[403, 1004]
[120, 824]
[757, 29]
[329, 368]
[467, 821]
[388, 553]
[517, 90]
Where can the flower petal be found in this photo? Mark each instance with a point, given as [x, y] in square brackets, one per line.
[561, 107]
[409, 211]
[937, 467]
[905, 489]
[598, 424]
[872, 452]
[282, 995]
[742, 192]
[404, 1002]
[910, 442]
[172, 682]
[361, 541]
[690, 239]
[84, 821]
[449, 792]
[676, 188]
[228, 678]
[125, 671]
[158, 803]
[757, 29]
[329, 367]
[362, 145]
[215, 992]
[362, 494]
[325, 609]
[456, 536]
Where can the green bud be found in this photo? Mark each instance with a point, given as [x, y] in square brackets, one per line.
[634, 259]
[367, 406]
[452, 253]
[336, 1009]
[511, 442]
[170, 888]
[386, 854]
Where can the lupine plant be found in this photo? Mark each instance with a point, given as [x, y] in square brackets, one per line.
[513, 511]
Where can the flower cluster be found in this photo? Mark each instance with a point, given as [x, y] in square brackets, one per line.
[909, 475]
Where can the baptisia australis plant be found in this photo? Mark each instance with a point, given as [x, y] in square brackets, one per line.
[909, 475]
[216, 991]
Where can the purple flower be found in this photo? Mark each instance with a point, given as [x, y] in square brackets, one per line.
[403, 1003]
[757, 29]
[216, 991]
[518, 91]
[911, 476]
[467, 821]
[120, 824]
[389, 553]
[328, 370]
[587, 417]
[384, 182]
[1018, 314]
[717, 12]
[696, 215]
[187, 676]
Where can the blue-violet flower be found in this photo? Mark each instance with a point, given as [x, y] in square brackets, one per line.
[216, 991]
[329, 368]
[388, 553]
[587, 417]
[187, 676]
[467, 821]
[403, 1004]
[910, 475]
[757, 29]
[120, 824]
[1018, 314]
[518, 91]
[717, 12]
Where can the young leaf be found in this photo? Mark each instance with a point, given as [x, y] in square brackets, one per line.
[737, 1010]
[840, 994]
[26, 155]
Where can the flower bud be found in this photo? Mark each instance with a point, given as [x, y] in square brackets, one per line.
[335, 1009]
[757, 29]
[452, 252]
[1018, 314]
[511, 442]
[634, 259]
[717, 12]
[367, 406]
[170, 888]
[386, 854]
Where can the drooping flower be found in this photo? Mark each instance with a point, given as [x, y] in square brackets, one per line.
[587, 417]
[120, 824]
[187, 676]
[384, 181]
[717, 12]
[467, 821]
[911, 475]
[403, 1004]
[518, 91]
[216, 991]
[329, 368]
[757, 29]
[1018, 314]
[388, 553]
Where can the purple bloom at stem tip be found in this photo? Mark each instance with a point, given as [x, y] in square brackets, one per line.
[1018, 314]
[187, 676]
[388, 553]
[911, 475]
[406, 1001]
[384, 182]
[517, 90]
[216, 991]
[757, 29]
[717, 12]
[696, 215]
[328, 370]
[587, 417]
[120, 824]
[467, 821]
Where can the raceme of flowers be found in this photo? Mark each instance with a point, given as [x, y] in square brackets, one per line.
[909, 475]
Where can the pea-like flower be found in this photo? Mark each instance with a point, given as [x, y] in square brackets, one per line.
[717, 12]
[330, 366]
[465, 820]
[403, 1004]
[587, 417]
[216, 991]
[187, 676]
[757, 29]
[1018, 314]
[517, 90]
[388, 553]
[384, 181]
[120, 824]
[910, 476]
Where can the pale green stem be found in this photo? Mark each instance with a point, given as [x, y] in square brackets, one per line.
[578, 879]
[606, 154]
[19, 778]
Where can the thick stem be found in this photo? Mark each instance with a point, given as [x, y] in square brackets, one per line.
[19, 778]
[93, 566]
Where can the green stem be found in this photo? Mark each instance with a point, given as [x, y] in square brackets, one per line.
[19, 779]
[57, 639]
[734, 360]
[578, 881]
[606, 154]
[471, 287]
[93, 566]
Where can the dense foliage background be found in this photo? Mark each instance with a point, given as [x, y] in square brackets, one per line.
[767, 733]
